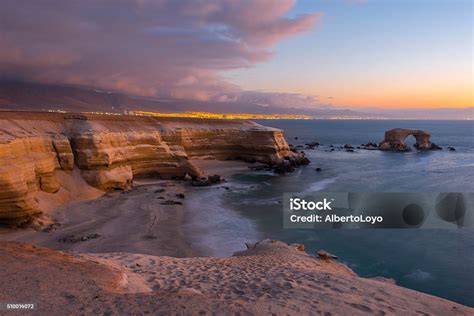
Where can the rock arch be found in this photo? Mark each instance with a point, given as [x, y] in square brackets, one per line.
[395, 140]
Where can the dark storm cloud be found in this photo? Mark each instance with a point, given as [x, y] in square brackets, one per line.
[164, 47]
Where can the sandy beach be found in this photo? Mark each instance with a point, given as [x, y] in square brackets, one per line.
[146, 219]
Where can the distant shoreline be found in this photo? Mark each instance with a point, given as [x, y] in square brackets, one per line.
[230, 116]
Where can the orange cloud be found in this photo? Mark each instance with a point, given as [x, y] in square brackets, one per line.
[162, 48]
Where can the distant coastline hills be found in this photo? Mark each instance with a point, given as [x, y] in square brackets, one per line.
[16, 95]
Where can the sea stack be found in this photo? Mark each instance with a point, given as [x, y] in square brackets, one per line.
[395, 140]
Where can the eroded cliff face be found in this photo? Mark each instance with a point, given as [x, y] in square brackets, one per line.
[113, 159]
[28, 165]
[110, 151]
[249, 144]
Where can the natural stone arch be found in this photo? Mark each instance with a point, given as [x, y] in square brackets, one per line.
[395, 140]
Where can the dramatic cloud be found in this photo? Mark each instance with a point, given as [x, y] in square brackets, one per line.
[164, 48]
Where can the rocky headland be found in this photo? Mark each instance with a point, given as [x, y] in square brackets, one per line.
[50, 159]
[128, 251]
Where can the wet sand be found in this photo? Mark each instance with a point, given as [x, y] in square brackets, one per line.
[146, 220]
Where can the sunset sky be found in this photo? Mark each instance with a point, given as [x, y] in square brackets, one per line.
[405, 53]
[308, 53]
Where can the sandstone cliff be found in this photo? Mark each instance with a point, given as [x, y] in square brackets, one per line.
[38, 149]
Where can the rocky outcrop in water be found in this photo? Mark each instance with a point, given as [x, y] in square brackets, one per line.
[395, 140]
[39, 150]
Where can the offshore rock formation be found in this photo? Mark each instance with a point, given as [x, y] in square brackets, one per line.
[395, 140]
[39, 150]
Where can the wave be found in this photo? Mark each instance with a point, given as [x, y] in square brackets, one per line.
[320, 185]
[419, 275]
[214, 228]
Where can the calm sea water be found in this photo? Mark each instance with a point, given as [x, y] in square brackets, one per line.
[439, 262]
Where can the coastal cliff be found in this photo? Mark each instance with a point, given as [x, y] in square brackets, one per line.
[40, 151]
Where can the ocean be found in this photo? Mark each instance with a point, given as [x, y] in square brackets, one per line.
[434, 261]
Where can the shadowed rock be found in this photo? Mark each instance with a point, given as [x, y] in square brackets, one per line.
[210, 180]
[324, 255]
[72, 239]
[171, 202]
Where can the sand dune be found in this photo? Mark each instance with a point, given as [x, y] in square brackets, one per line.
[271, 279]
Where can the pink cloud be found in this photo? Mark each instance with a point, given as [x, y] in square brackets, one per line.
[163, 48]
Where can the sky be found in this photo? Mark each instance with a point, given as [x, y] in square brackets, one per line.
[379, 53]
[358, 54]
